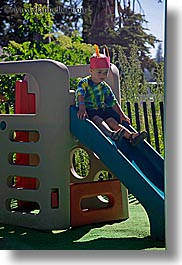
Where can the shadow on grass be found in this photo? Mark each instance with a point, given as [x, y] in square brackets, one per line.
[18, 238]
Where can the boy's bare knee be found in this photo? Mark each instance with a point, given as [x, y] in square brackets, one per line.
[110, 121]
[97, 119]
[113, 124]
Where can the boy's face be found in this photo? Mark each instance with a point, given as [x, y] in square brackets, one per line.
[99, 74]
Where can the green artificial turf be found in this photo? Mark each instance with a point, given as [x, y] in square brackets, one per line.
[131, 234]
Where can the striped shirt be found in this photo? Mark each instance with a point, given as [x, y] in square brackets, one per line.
[96, 96]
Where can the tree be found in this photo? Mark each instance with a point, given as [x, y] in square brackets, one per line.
[103, 21]
[132, 77]
[159, 57]
[66, 17]
[10, 20]
[68, 50]
[132, 32]
[116, 23]
[87, 20]
[36, 24]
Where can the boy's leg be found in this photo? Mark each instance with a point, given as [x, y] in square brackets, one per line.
[114, 125]
[110, 127]
[102, 125]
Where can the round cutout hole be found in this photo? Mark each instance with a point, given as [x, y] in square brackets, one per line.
[80, 162]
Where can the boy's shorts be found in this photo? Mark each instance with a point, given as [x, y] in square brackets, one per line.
[104, 114]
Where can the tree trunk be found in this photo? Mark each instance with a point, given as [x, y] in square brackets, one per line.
[100, 17]
[87, 20]
[103, 20]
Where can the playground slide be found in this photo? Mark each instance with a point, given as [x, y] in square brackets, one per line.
[140, 168]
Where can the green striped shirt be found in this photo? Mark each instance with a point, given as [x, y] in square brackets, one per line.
[96, 95]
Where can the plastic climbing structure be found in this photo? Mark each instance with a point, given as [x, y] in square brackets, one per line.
[39, 186]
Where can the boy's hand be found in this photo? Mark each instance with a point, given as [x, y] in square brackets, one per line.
[123, 116]
[82, 114]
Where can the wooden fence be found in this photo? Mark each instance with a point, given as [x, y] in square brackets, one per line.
[147, 116]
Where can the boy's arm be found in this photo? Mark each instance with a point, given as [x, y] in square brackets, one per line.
[123, 116]
[82, 113]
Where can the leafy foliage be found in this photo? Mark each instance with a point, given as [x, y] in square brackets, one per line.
[36, 22]
[68, 50]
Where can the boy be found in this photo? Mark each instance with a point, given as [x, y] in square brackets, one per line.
[96, 101]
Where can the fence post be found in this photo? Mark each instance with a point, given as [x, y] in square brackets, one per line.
[129, 110]
[146, 120]
[162, 116]
[146, 114]
[6, 107]
[137, 116]
[155, 126]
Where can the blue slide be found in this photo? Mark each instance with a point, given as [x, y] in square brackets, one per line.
[139, 168]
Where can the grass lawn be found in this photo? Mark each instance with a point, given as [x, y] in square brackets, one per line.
[132, 234]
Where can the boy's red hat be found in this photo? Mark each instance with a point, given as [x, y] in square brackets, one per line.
[99, 60]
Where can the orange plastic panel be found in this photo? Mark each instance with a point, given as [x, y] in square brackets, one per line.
[113, 211]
